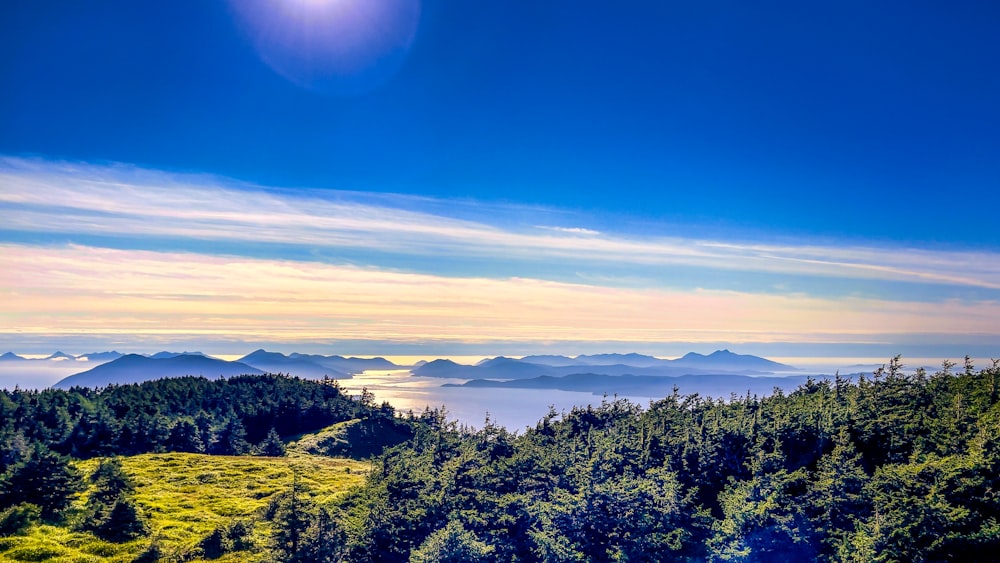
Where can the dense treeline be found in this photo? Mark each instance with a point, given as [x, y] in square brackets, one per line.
[893, 467]
[187, 414]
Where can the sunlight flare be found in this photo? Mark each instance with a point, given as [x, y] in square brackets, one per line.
[344, 47]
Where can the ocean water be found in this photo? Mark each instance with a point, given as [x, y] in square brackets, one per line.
[514, 409]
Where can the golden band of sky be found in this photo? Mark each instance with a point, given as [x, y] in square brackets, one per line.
[86, 290]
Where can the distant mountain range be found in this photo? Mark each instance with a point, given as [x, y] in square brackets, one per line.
[275, 362]
[720, 359]
[314, 365]
[706, 385]
[639, 360]
[349, 365]
[135, 368]
[718, 374]
[540, 371]
[720, 362]
[60, 357]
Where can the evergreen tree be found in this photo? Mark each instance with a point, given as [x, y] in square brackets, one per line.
[45, 479]
[231, 438]
[111, 513]
[17, 518]
[764, 521]
[291, 521]
[110, 482]
[272, 446]
[452, 544]
[324, 540]
[121, 522]
[226, 539]
[836, 499]
[14, 448]
[185, 437]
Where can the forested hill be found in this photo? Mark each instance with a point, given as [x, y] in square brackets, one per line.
[186, 414]
[139, 503]
[893, 467]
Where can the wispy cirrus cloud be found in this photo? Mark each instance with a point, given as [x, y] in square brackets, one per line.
[116, 201]
[571, 230]
[142, 255]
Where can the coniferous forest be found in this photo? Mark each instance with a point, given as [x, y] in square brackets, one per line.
[894, 466]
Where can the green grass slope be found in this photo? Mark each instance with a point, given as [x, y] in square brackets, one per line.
[356, 439]
[185, 497]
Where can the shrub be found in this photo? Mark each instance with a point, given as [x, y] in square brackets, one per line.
[17, 518]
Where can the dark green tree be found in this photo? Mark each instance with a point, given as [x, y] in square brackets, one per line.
[324, 540]
[836, 501]
[111, 513]
[45, 479]
[120, 522]
[272, 446]
[185, 437]
[18, 518]
[14, 447]
[622, 518]
[452, 544]
[110, 481]
[231, 438]
[231, 537]
[764, 521]
[291, 520]
[942, 509]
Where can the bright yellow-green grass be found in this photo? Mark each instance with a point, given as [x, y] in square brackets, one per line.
[187, 496]
[322, 440]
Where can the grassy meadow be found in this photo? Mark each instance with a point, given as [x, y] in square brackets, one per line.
[185, 497]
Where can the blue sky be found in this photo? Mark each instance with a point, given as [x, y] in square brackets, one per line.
[786, 159]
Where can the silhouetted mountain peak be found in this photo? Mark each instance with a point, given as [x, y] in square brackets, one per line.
[261, 354]
[442, 368]
[61, 356]
[101, 356]
[294, 355]
[302, 365]
[165, 354]
[724, 359]
[134, 368]
[550, 360]
[500, 361]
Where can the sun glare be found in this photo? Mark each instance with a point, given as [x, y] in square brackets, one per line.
[344, 47]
